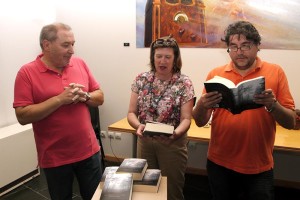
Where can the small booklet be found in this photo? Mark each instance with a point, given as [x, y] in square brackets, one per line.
[236, 98]
[157, 129]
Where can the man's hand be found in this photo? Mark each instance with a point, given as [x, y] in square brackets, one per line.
[210, 99]
[267, 98]
[73, 94]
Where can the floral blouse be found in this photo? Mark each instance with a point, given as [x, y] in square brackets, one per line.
[159, 100]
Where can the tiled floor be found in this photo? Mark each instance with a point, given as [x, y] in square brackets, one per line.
[196, 188]
[35, 189]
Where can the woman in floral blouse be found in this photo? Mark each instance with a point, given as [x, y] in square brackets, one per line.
[163, 95]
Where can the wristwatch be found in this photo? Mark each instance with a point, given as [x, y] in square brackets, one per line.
[272, 107]
[87, 96]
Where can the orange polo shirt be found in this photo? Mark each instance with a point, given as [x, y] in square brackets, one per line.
[244, 142]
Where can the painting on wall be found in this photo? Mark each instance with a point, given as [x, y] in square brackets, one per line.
[201, 23]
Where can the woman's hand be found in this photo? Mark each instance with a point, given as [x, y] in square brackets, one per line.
[167, 140]
[140, 129]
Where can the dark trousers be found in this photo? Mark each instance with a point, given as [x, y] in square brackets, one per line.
[60, 179]
[227, 184]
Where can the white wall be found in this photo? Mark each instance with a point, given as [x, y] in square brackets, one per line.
[100, 29]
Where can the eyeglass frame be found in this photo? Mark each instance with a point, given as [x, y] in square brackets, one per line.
[248, 45]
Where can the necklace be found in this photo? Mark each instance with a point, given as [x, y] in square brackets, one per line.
[154, 101]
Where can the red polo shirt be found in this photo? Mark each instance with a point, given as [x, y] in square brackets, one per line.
[65, 136]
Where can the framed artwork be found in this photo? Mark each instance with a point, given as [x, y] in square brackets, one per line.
[201, 23]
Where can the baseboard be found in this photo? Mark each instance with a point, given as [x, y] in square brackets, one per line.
[9, 187]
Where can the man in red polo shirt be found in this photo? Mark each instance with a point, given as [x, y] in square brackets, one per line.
[53, 93]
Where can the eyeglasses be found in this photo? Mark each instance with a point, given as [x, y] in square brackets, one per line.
[165, 42]
[243, 47]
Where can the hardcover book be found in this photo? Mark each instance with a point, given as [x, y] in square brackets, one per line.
[108, 170]
[136, 166]
[157, 129]
[117, 187]
[236, 98]
[149, 183]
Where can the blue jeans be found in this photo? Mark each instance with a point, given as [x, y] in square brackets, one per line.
[227, 184]
[60, 179]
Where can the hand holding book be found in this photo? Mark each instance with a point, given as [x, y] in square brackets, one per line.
[236, 98]
[158, 129]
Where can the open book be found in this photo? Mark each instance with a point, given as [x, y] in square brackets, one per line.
[236, 98]
[156, 129]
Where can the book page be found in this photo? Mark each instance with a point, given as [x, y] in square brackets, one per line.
[218, 79]
[247, 89]
[253, 80]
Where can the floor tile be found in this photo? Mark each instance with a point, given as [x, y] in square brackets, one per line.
[23, 193]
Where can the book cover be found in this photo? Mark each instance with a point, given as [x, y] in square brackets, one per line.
[136, 166]
[236, 98]
[149, 183]
[117, 187]
[108, 170]
[156, 129]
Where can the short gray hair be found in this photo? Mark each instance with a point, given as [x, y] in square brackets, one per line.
[49, 32]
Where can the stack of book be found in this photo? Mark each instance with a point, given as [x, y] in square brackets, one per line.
[132, 175]
[107, 171]
[117, 187]
[149, 183]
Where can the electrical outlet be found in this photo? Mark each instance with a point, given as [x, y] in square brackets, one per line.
[110, 134]
[103, 134]
[118, 136]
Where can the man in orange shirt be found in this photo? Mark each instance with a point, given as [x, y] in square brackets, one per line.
[240, 160]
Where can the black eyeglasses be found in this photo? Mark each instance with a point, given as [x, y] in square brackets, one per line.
[243, 47]
[165, 42]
